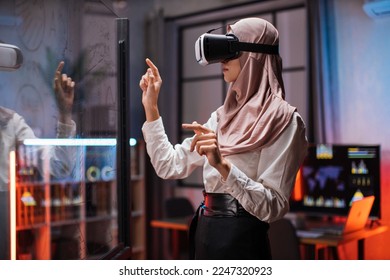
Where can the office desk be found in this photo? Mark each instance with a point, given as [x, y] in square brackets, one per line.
[172, 223]
[332, 241]
[175, 225]
[324, 241]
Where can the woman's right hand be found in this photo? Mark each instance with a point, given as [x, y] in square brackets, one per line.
[64, 94]
[150, 85]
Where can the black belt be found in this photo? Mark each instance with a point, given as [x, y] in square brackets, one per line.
[222, 205]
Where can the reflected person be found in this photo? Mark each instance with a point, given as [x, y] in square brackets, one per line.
[14, 130]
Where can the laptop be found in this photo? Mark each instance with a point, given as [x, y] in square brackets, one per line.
[356, 220]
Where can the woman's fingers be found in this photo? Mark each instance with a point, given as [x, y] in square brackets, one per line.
[202, 139]
[143, 83]
[64, 80]
[150, 76]
[153, 68]
[197, 128]
[202, 133]
[72, 84]
[150, 63]
[57, 76]
[59, 69]
[204, 142]
[204, 146]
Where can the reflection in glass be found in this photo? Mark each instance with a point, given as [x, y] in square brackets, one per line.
[62, 197]
[76, 213]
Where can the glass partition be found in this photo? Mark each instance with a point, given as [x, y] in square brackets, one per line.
[58, 175]
[63, 198]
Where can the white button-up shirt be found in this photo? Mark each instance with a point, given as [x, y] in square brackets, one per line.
[14, 130]
[261, 180]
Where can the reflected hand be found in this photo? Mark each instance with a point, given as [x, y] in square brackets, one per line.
[64, 94]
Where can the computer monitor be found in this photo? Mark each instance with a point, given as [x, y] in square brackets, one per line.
[332, 176]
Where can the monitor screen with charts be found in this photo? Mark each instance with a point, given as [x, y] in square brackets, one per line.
[333, 176]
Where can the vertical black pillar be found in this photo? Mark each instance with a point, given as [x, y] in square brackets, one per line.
[123, 135]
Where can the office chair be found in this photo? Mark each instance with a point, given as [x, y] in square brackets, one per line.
[178, 207]
[284, 241]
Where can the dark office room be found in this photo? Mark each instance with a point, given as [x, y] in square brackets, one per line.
[130, 130]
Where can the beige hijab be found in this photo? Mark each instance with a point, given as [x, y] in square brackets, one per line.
[254, 113]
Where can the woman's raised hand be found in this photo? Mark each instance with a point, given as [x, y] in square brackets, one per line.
[150, 85]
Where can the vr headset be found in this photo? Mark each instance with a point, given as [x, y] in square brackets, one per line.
[11, 57]
[213, 48]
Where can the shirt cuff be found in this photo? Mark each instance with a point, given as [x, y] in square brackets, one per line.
[66, 130]
[236, 181]
[151, 129]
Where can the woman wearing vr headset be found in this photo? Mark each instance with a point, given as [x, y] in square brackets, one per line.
[250, 150]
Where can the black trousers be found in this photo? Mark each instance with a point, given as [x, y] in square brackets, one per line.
[219, 237]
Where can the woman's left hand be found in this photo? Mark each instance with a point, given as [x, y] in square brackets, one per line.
[205, 143]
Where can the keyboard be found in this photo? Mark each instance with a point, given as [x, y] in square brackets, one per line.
[329, 229]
